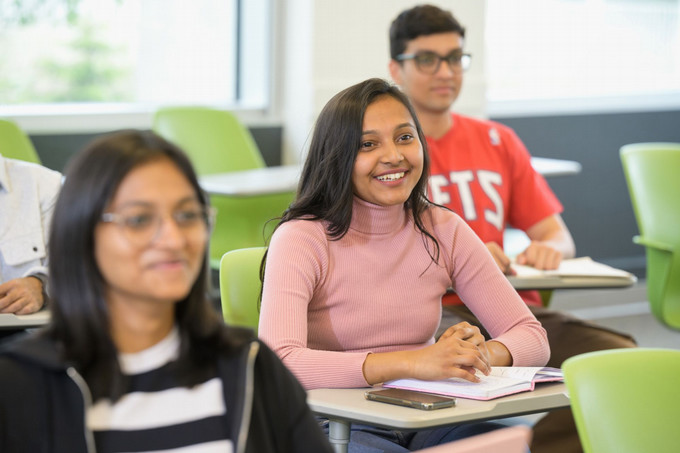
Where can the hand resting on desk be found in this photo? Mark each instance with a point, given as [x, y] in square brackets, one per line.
[459, 352]
[496, 353]
[540, 255]
[551, 241]
[21, 296]
[456, 354]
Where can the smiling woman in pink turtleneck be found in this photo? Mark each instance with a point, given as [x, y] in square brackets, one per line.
[356, 270]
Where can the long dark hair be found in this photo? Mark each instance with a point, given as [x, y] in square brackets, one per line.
[80, 319]
[325, 190]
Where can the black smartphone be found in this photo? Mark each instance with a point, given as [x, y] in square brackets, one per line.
[410, 398]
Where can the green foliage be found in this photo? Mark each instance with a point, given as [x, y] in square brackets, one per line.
[90, 77]
[84, 69]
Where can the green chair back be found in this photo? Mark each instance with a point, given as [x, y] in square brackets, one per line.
[217, 142]
[652, 172]
[245, 222]
[625, 400]
[240, 286]
[15, 144]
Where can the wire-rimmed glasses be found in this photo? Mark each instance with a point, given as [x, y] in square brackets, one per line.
[141, 224]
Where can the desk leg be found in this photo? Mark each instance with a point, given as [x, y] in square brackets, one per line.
[338, 434]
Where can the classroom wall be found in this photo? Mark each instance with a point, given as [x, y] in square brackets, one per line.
[328, 45]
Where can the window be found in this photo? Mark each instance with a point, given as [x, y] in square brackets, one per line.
[75, 57]
[583, 52]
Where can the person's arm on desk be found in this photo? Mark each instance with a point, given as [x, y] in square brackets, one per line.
[22, 295]
[551, 241]
[460, 351]
[496, 353]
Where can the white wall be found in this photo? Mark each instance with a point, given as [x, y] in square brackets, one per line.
[328, 45]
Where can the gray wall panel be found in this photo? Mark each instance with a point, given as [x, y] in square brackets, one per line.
[55, 150]
[596, 202]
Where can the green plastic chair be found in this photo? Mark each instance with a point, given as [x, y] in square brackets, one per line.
[625, 400]
[652, 172]
[217, 142]
[240, 286]
[15, 144]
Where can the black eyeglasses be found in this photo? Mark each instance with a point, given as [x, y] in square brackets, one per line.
[429, 62]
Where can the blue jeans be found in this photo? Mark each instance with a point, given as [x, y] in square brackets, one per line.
[369, 439]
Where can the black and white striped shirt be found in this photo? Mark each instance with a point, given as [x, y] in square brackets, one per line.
[156, 414]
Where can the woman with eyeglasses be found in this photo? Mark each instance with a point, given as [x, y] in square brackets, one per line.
[135, 358]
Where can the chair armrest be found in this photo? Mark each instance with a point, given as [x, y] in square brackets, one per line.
[654, 244]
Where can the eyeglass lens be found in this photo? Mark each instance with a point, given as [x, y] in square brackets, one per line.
[430, 62]
[141, 225]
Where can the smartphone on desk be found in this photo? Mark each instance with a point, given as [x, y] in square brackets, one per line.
[410, 398]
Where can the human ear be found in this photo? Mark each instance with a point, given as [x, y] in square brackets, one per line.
[395, 71]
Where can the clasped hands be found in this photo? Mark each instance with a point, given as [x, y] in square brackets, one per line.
[460, 352]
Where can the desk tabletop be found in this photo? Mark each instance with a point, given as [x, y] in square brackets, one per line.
[555, 167]
[561, 282]
[11, 321]
[350, 405]
[248, 183]
[581, 272]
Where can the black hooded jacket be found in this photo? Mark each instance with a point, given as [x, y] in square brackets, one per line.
[43, 401]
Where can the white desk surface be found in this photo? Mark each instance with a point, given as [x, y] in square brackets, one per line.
[260, 181]
[350, 405]
[524, 283]
[555, 167]
[11, 321]
[272, 180]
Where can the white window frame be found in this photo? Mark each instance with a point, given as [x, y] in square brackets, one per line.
[93, 118]
[659, 101]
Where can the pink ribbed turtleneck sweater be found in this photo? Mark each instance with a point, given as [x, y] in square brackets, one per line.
[326, 304]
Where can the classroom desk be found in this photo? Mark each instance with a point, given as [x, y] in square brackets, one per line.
[272, 180]
[557, 282]
[260, 181]
[555, 167]
[10, 321]
[344, 406]
[581, 272]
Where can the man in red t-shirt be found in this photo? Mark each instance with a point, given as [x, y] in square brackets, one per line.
[482, 171]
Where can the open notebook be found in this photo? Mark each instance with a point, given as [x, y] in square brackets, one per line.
[514, 439]
[500, 382]
[580, 269]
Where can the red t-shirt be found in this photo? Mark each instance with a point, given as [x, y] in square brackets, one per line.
[482, 171]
